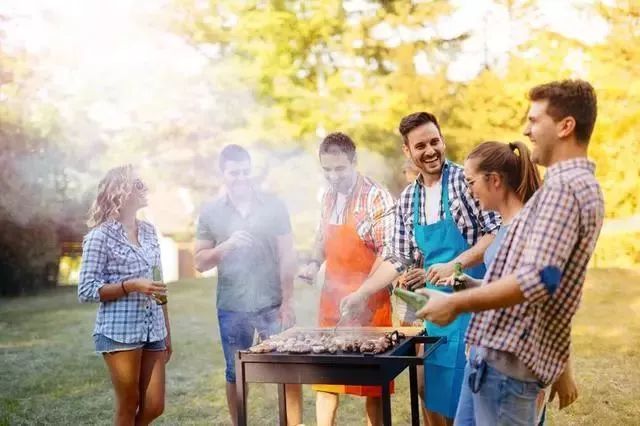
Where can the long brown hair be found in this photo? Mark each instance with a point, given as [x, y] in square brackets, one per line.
[113, 190]
[513, 162]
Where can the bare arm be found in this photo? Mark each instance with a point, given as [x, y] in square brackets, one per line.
[208, 255]
[474, 255]
[287, 264]
[468, 258]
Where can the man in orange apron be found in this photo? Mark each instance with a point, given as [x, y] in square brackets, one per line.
[355, 227]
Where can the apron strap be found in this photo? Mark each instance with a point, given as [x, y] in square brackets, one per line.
[444, 198]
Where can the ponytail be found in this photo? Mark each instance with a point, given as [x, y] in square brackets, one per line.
[530, 177]
[513, 162]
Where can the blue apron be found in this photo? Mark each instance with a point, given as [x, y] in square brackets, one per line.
[441, 242]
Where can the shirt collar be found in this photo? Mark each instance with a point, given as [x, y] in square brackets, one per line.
[116, 230]
[573, 163]
[256, 197]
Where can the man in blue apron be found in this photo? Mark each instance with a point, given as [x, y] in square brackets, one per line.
[436, 215]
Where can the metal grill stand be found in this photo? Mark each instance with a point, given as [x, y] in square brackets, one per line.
[340, 368]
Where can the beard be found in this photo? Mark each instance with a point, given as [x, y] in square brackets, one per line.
[431, 165]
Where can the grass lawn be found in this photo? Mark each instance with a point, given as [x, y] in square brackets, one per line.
[50, 374]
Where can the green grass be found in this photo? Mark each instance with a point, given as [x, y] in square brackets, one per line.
[50, 374]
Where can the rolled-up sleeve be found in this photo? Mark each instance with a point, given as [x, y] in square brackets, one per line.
[550, 243]
[400, 252]
[94, 259]
[383, 209]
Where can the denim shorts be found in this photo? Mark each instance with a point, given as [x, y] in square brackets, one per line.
[237, 331]
[105, 345]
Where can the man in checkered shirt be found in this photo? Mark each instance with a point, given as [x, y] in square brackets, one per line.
[521, 327]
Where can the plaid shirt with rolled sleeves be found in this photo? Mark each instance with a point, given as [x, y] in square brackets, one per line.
[372, 206]
[465, 211]
[108, 257]
[548, 247]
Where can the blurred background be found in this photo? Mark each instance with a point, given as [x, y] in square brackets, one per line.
[86, 85]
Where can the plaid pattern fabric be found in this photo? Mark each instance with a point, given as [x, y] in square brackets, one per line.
[548, 247]
[372, 206]
[465, 211]
[107, 258]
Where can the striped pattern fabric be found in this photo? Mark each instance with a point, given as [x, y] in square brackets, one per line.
[372, 207]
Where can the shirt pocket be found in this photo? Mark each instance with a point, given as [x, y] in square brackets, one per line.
[122, 257]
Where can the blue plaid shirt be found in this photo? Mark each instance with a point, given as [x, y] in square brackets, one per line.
[472, 222]
[107, 258]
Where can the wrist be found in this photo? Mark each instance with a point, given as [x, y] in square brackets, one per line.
[458, 302]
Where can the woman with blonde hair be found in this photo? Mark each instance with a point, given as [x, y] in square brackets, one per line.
[132, 325]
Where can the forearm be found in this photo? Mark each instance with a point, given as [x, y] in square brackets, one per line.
[317, 252]
[115, 291]
[165, 312]
[474, 255]
[502, 293]
[381, 277]
[209, 258]
[287, 274]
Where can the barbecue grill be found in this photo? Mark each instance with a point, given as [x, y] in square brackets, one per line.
[340, 368]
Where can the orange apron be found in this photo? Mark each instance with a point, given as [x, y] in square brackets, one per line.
[349, 263]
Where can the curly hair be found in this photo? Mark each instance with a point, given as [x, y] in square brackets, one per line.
[113, 190]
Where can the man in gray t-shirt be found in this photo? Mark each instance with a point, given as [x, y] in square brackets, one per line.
[246, 234]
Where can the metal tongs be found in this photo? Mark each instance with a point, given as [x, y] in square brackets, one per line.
[343, 316]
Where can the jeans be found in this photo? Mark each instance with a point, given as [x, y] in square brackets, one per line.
[237, 330]
[499, 400]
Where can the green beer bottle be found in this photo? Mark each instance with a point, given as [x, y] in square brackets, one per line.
[458, 277]
[161, 299]
[415, 300]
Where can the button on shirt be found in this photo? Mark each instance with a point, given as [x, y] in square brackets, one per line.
[547, 247]
[465, 211]
[107, 258]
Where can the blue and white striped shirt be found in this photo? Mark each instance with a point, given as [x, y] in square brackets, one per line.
[108, 257]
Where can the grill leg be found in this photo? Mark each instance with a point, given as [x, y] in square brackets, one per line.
[386, 405]
[282, 403]
[241, 393]
[413, 386]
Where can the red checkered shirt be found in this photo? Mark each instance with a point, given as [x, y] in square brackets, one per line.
[548, 247]
[372, 207]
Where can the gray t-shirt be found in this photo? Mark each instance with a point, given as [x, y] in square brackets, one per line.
[248, 278]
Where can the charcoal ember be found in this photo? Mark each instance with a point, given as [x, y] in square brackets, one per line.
[291, 341]
[356, 345]
[401, 335]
